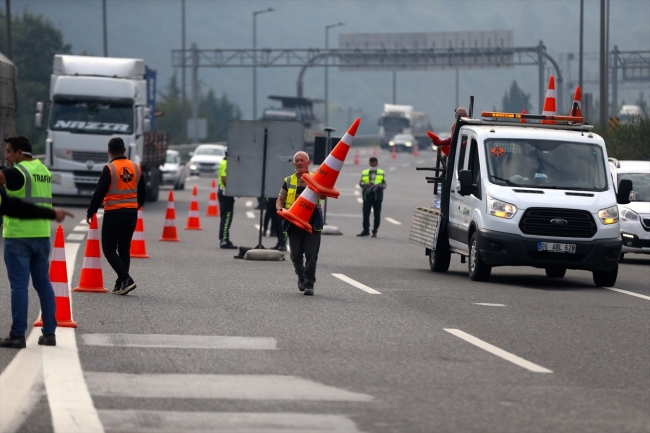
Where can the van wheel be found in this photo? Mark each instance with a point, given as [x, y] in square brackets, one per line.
[555, 272]
[605, 278]
[478, 270]
[439, 260]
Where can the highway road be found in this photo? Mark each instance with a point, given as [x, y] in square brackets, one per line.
[210, 343]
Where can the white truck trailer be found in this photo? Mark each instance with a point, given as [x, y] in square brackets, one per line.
[403, 119]
[93, 99]
[8, 75]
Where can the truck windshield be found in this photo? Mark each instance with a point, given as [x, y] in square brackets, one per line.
[92, 117]
[640, 185]
[546, 164]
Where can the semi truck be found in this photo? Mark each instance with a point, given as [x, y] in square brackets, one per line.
[8, 76]
[402, 119]
[91, 100]
[297, 109]
[524, 194]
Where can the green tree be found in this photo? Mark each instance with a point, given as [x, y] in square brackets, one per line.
[218, 112]
[516, 100]
[35, 41]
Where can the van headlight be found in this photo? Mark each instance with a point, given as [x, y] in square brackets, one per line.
[193, 167]
[628, 214]
[500, 209]
[609, 215]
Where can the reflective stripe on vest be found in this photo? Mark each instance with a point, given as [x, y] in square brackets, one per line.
[292, 187]
[37, 189]
[379, 177]
[123, 192]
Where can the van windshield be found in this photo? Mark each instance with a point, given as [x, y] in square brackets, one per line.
[92, 117]
[640, 185]
[546, 164]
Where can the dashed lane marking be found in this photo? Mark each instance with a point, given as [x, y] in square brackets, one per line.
[357, 284]
[357, 192]
[392, 221]
[498, 352]
[638, 295]
[488, 304]
[250, 214]
[81, 228]
[180, 341]
[346, 215]
[75, 237]
[359, 199]
[392, 168]
[249, 203]
[406, 165]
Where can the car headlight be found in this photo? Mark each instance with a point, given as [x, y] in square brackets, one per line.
[192, 166]
[609, 215]
[628, 214]
[408, 144]
[500, 208]
[391, 143]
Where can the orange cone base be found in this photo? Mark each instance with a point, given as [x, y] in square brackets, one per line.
[327, 192]
[140, 256]
[90, 289]
[63, 310]
[212, 213]
[193, 228]
[169, 240]
[284, 213]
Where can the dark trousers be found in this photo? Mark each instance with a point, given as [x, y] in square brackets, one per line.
[304, 244]
[375, 206]
[271, 216]
[117, 231]
[227, 207]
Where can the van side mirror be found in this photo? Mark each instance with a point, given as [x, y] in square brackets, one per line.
[624, 190]
[465, 179]
[38, 117]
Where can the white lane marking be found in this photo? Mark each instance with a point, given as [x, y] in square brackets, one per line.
[357, 192]
[250, 214]
[216, 386]
[180, 341]
[357, 186]
[498, 352]
[119, 421]
[257, 227]
[488, 304]
[19, 390]
[81, 228]
[75, 237]
[346, 215]
[359, 199]
[638, 295]
[392, 221]
[406, 165]
[249, 203]
[83, 221]
[357, 284]
[392, 168]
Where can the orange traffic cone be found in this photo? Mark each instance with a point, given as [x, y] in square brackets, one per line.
[92, 279]
[213, 206]
[576, 107]
[416, 150]
[59, 280]
[374, 152]
[394, 153]
[138, 244]
[356, 157]
[193, 222]
[325, 177]
[302, 209]
[523, 120]
[550, 108]
[169, 231]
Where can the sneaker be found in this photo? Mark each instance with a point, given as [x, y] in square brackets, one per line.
[301, 285]
[374, 234]
[364, 233]
[14, 342]
[127, 286]
[228, 245]
[47, 340]
[118, 286]
[309, 290]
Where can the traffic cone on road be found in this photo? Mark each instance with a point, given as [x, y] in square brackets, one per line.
[169, 231]
[394, 153]
[213, 205]
[356, 157]
[302, 209]
[416, 150]
[59, 280]
[92, 279]
[325, 177]
[193, 222]
[576, 107]
[138, 243]
[550, 107]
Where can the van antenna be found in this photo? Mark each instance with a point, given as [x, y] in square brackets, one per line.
[471, 106]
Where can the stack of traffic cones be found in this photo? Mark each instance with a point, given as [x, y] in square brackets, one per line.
[193, 222]
[213, 206]
[138, 243]
[169, 231]
[92, 279]
[550, 107]
[356, 157]
[394, 153]
[59, 280]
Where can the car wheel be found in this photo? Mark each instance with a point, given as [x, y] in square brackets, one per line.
[478, 270]
[439, 260]
[605, 278]
[555, 272]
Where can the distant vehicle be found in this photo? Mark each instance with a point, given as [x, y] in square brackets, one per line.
[630, 113]
[634, 216]
[402, 119]
[174, 171]
[297, 109]
[8, 75]
[206, 158]
[402, 143]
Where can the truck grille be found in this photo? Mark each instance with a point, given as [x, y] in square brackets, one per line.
[81, 156]
[537, 221]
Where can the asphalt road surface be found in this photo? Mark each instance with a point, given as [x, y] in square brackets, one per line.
[210, 343]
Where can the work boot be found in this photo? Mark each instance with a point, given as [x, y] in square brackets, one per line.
[301, 285]
[47, 340]
[374, 234]
[118, 286]
[309, 290]
[364, 233]
[127, 286]
[227, 245]
[280, 247]
[13, 342]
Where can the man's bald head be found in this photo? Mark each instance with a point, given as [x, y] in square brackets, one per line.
[301, 162]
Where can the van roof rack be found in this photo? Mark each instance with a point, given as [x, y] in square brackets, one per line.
[572, 123]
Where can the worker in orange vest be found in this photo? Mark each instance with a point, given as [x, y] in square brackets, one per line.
[122, 190]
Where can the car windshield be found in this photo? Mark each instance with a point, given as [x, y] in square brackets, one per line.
[640, 185]
[92, 117]
[546, 164]
[212, 151]
[404, 137]
[172, 158]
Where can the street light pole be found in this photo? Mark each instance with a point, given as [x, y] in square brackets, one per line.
[327, 46]
[10, 53]
[183, 82]
[255, 14]
[104, 21]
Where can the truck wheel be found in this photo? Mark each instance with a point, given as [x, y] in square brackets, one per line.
[555, 272]
[153, 184]
[439, 260]
[605, 278]
[478, 270]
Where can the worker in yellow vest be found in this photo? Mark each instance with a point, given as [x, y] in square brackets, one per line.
[372, 185]
[27, 241]
[122, 190]
[226, 206]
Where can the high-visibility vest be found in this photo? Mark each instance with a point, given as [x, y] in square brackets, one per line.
[379, 177]
[37, 189]
[223, 166]
[123, 192]
[292, 187]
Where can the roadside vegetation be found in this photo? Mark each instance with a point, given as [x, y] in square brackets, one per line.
[630, 141]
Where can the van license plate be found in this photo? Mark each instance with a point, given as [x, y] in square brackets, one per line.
[556, 248]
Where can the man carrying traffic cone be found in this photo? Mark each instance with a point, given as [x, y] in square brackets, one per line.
[121, 187]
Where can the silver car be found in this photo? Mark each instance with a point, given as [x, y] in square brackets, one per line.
[174, 171]
[206, 158]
